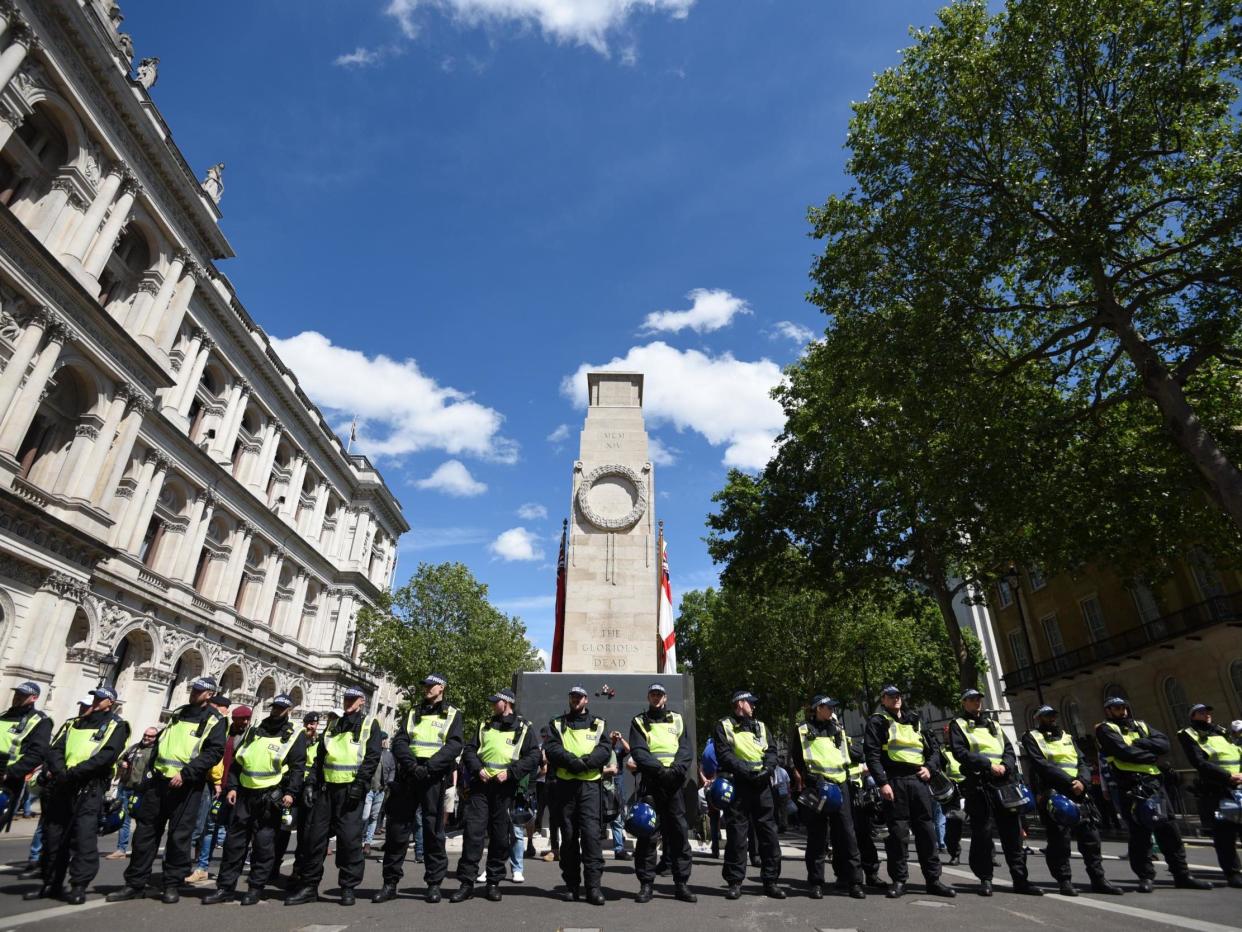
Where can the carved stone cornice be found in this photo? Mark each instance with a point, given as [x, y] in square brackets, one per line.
[138, 402]
[87, 655]
[22, 34]
[57, 331]
[149, 674]
[246, 387]
[66, 587]
[249, 530]
[183, 256]
[89, 431]
[33, 525]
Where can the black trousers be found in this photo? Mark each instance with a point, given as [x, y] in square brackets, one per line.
[954, 826]
[488, 817]
[984, 813]
[1057, 847]
[301, 822]
[253, 825]
[164, 807]
[403, 802]
[334, 814]
[751, 800]
[911, 812]
[670, 806]
[1167, 833]
[577, 802]
[71, 833]
[839, 826]
[1225, 835]
[870, 857]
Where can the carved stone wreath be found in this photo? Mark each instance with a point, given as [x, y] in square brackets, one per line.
[607, 523]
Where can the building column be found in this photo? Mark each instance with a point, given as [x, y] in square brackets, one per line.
[23, 351]
[294, 619]
[154, 487]
[189, 561]
[358, 551]
[321, 506]
[46, 622]
[97, 255]
[175, 562]
[171, 401]
[267, 456]
[25, 404]
[195, 375]
[297, 472]
[11, 58]
[114, 469]
[125, 529]
[83, 479]
[165, 326]
[230, 424]
[88, 226]
[238, 550]
[267, 593]
[154, 310]
[9, 16]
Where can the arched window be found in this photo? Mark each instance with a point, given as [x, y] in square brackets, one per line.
[1179, 705]
[52, 432]
[1071, 717]
[128, 263]
[1115, 689]
[32, 157]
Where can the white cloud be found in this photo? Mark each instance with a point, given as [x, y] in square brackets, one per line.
[532, 512]
[435, 538]
[660, 454]
[453, 478]
[358, 58]
[560, 435]
[516, 544]
[399, 409]
[711, 309]
[581, 22]
[791, 331]
[525, 603]
[724, 399]
[545, 659]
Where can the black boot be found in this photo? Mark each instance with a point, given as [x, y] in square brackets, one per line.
[896, 889]
[815, 891]
[985, 888]
[1026, 888]
[595, 896]
[462, 893]
[682, 892]
[45, 892]
[432, 895]
[1146, 885]
[1235, 880]
[857, 891]
[222, 895]
[1103, 885]
[571, 895]
[76, 896]
[773, 890]
[387, 892]
[734, 891]
[1187, 882]
[1066, 888]
[348, 897]
[251, 896]
[873, 880]
[170, 896]
[304, 895]
[125, 893]
[645, 893]
[940, 888]
[493, 892]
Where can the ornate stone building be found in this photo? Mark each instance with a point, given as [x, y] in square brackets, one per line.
[171, 502]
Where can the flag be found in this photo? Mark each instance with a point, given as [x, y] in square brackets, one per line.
[558, 636]
[668, 637]
[353, 430]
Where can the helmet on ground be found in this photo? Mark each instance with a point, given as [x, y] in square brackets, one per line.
[721, 793]
[110, 816]
[642, 821]
[831, 797]
[1063, 810]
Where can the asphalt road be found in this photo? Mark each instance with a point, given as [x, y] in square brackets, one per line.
[532, 905]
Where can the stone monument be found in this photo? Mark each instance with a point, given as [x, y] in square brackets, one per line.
[612, 569]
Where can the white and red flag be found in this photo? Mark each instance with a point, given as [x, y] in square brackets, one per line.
[668, 637]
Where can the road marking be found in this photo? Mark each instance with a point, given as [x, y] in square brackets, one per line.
[1027, 916]
[55, 912]
[322, 929]
[934, 904]
[1151, 915]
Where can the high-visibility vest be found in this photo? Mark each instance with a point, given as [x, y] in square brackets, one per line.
[952, 766]
[904, 744]
[824, 756]
[262, 757]
[312, 755]
[748, 747]
[181, 741]
[12, 736]
[1059, 751]
[1219, 749]
[1129, 737]
[983, 740]
[663, 738]
[343, 753]
[499, 747]
[82, 743]
[429, 733]
[579, 742]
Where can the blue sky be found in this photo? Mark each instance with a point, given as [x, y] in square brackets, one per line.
[445, 209]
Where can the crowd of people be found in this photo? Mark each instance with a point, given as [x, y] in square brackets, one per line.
[211, 775]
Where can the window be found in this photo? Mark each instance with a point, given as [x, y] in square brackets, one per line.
[1093, 617]
[1179, 705]
[1144, 602]
[150, 543]
[1017, 647]
[1235, 676]
[1036, 576]
[1071, 718]
[1203, 568]
[1052, 631]
[1004, 596]
[1116, 690]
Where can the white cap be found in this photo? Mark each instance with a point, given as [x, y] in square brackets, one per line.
[1236, 726]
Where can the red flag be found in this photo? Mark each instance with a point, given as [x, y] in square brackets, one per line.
[668, 637]
[558, 636]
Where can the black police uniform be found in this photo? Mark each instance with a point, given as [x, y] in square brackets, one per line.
[72, 801]
[578, 802]
[752, 800]
[954, 815]
[34, 748]
[1214, 785]
[665, 787]
[176, 809]
[420, 782]
[255, 818]
[1047, 778]
[983, 810]
[1145, 750]
[338, 810]
[820, 826]
[911, 808]
[488, 811]
[303, 805]
[864, 820]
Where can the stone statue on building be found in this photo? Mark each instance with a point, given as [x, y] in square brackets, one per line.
[126, 41]
[148, 72]
[213, 184]
[115, 16]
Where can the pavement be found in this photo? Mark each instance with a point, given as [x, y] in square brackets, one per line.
[533, 905]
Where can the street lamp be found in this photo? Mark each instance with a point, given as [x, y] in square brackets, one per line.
[861, 649]
[1012, 578]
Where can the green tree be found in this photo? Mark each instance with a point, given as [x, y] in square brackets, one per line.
[441, 621]
[1059, 181]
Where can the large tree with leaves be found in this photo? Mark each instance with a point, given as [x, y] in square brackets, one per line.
[441, 621]
[1062, 182]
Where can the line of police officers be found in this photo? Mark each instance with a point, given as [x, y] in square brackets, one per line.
[278, 768]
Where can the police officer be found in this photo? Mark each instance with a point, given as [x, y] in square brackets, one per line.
[745, 753]
[955, 817]
[988, 763]
[426, 749]
[577, 749]
[1131, 747]
[349, 752]
[304, 803]
[189, 746]
[660, 749]
[502, 753]
[821, 755]
[900, 759]
[79, 771]
[863, 815]
[1219, 762]
[25, 734]
[264, 779]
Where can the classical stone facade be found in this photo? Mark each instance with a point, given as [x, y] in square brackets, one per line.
[171, 502]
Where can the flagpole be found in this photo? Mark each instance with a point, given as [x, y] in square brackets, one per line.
[659, 561]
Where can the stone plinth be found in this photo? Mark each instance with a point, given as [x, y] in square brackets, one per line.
[611, 585]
